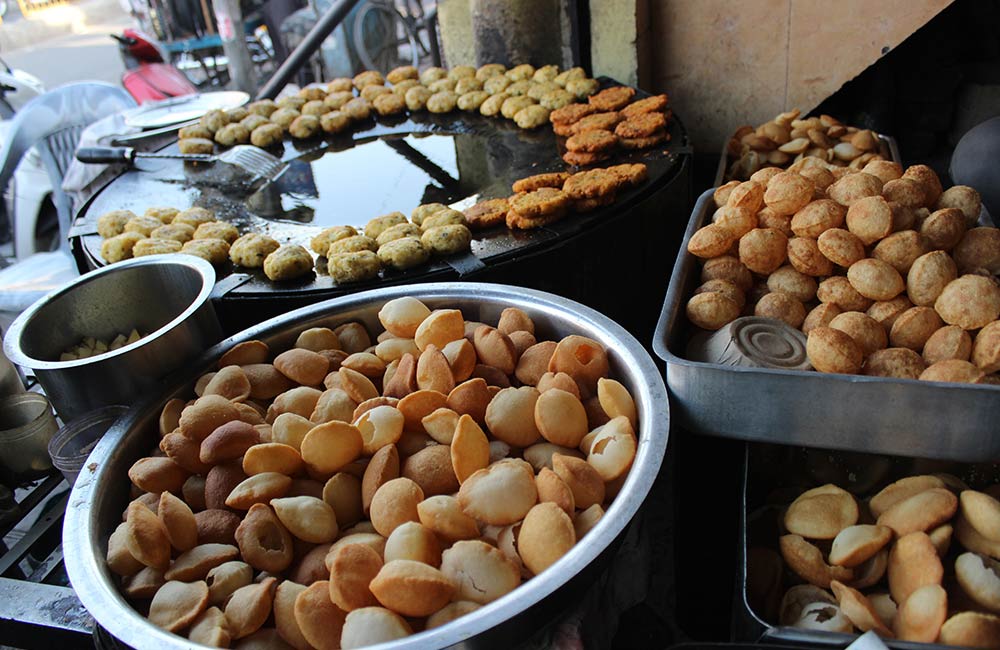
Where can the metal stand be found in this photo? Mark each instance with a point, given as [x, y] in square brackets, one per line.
[38, 608]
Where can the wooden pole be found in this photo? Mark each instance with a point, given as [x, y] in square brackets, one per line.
[207, 14]
[229, 17]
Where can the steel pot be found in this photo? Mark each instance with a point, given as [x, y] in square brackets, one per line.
[165, 297]
[102, 491]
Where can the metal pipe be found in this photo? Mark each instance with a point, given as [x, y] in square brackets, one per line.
[432, 37]
[323, 27]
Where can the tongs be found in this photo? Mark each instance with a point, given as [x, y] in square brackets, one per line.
[247, 157]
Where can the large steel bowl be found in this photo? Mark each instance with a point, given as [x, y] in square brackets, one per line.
[101, 493]
[165, 297]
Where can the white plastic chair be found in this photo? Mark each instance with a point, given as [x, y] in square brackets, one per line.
[52, 123]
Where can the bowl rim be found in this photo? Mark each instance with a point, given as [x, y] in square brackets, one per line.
[96, 588]
[21, 431]
[12, 338]
[72, 430]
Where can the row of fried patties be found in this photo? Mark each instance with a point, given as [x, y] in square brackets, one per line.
[390, 240]
[524, 94]
[544, 198]
[609, 121]
[537, 201]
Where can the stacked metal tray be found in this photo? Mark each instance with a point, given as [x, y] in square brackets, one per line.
[904, 417]
[888, 144]
[772, 477]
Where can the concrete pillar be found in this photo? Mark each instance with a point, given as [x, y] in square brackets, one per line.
[517, 31]
[457, 43]
[619, 40]
[229, 17]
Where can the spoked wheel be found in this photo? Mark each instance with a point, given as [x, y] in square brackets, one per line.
[383, 39]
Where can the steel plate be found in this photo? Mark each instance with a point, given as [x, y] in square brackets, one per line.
[182, 109]
[101, 492]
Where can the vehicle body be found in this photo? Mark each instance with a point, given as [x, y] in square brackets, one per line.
[27, 200]
[16, 88]
[147, 76]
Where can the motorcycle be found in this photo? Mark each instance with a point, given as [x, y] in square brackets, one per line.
[16, 88]
[148, 77]
[27, 199]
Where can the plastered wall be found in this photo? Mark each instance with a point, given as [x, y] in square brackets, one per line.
[726, 63]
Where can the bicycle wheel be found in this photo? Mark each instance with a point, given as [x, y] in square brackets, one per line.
[422, 25]
[383, 39]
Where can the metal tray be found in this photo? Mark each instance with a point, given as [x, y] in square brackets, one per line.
[772, 477]
[101, 491]
[720, 172]
[904, 417]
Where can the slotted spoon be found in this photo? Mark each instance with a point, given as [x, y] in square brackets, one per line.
[254, 160]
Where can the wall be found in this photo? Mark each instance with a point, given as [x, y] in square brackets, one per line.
[725, 64]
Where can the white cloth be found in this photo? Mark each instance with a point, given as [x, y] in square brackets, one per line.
[82, 180]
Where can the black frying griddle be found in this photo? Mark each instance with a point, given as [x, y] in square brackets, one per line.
[383, 165]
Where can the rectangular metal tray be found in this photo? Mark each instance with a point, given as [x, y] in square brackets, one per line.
[903, 417]
[720, 172]
[772, 477]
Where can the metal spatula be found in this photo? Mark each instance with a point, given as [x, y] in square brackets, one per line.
[252, 159]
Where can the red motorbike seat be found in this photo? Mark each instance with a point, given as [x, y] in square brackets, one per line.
[155, 81]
